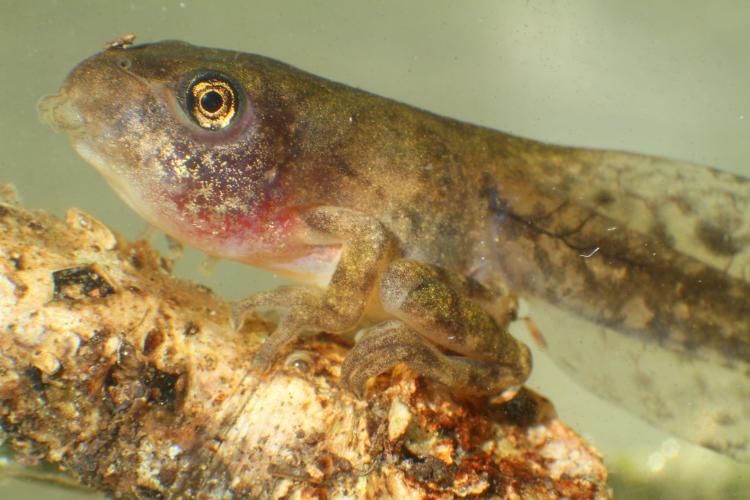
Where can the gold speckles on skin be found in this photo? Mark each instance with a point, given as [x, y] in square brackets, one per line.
[175, 163]
[179, 169]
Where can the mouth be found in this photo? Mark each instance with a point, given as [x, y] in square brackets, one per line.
[58, 112]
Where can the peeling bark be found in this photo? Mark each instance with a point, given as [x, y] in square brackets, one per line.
[135, 383]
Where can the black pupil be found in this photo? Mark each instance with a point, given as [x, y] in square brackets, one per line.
[212, 101]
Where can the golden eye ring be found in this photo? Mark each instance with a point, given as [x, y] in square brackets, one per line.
[212, 102]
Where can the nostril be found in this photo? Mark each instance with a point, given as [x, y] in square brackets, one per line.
[124, 63]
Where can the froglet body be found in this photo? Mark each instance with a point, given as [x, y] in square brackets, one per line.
[636, 267]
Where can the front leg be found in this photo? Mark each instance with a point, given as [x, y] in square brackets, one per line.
[367, 247]
[433, 307]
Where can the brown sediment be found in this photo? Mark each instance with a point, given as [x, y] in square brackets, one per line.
[134, 382]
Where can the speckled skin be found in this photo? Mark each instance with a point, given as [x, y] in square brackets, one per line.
[377, 201]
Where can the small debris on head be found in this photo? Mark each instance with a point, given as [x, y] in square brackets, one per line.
[121, 42]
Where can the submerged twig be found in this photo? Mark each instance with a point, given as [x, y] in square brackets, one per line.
[135, 383]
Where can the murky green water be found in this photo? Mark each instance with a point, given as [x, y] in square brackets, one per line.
[666, 78]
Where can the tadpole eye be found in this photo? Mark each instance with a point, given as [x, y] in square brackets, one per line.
[212, 101]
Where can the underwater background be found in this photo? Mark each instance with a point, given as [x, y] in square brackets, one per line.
[669, 78]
